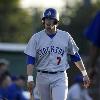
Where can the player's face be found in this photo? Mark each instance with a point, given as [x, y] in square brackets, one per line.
[49, 24]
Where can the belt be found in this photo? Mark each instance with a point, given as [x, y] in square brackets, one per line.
[50, 72]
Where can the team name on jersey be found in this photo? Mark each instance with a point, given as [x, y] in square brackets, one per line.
[51, 49]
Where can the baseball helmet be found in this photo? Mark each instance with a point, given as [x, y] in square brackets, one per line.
[51, 13]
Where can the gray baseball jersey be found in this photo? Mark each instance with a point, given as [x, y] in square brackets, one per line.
[51, 56]
[51, 53]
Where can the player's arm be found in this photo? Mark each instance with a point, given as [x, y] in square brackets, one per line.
[30, 65]
[30, 51]
[81, 67]
[30, 68]
[73, 51]
[79, 63]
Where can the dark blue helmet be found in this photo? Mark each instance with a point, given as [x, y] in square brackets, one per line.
[51, 13]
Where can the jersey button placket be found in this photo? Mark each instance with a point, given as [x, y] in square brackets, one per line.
[51, 44]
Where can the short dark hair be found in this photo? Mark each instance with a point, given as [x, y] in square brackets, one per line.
[3, 76]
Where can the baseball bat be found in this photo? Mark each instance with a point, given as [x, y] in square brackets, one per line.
[31, 97]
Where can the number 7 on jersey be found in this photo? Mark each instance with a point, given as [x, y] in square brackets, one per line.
[58, 60]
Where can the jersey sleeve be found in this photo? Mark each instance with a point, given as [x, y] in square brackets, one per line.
[75, 57]
[72, 47]
[31, 47]
[30, 60]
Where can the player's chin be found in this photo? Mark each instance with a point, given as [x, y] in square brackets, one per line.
[48, 28]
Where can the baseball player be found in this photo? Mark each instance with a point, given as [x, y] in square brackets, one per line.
[47, 51]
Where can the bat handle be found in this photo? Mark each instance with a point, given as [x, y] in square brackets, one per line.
[31, 97]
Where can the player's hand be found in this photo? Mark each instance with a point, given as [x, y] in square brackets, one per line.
[86, 81]
[30, 86]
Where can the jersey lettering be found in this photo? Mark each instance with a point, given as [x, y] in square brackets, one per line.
[51, 49]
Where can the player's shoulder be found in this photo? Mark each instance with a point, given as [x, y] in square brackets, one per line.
[64, 33]
[38, 34]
